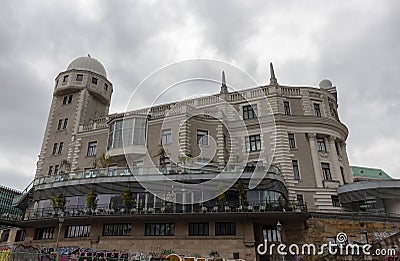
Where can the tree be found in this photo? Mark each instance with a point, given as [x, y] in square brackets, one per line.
[104, 161]
[127, 198]
[222, 199]
[91, 199]
[242, 191]
[58, 202]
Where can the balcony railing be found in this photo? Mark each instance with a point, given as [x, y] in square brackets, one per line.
[10, 217]
[166, 208]
[150, 171]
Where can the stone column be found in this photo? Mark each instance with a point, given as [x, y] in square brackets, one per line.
[335, 160]
[220, 146]
[315, 160]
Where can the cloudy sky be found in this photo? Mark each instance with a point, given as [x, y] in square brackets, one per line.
[355, 44]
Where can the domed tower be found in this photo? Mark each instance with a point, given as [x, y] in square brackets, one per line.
[82, 93]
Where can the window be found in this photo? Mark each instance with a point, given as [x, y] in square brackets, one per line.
[70, 99]
[249, 112]
[225, 228]
[50, 171]
[79, 77]
[165, 164]
[127, 132]
[55, 146]
[65, 99]
[20, 236]
[59, 124]
[300, 199]
[60, 147]
[106, 87]
[159, 229]
[317, 110]
[342, 173]
[65, 79]
[123, 229]
[94, 80]
[271, 234]
[292, 141]
[202, 137]
[91, 151]
[4, 235]
[198, 229]
[65, 123]
[335, 201]
[77, 231]
[337, 147]
[166, 136]
[44, 233]
[326, 171]
[296, 172]
[56, 169]
[250, 166]
[286, 106]
[364, 238]
[253, 143]
[321, 144]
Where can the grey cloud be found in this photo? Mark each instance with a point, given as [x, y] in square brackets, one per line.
[355, 44]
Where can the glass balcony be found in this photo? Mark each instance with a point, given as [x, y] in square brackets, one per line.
[167, 208]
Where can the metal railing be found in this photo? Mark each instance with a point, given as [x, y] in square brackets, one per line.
[149, 171]
[166, 208]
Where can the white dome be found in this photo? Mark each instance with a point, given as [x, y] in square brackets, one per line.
[325, 84]
[89, 64]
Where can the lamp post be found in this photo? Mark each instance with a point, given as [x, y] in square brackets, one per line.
[60, 223]
[279, 235]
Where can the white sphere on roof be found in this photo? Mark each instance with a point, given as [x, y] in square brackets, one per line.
[89, 64]
[325, 84]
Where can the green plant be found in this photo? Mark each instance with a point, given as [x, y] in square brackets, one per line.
[91, 199]
[242, 191]
[104, 161]
[222, 199]
[127, 197]
[58, 202]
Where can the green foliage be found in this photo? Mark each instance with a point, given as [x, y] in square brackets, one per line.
[222, 196]
[104, 161]
[222, 199]
[166, 252]
[91, 199]
[127, 197]
[58, 202]
[242, 191]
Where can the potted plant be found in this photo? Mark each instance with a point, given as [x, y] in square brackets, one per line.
[126, 199]
[242, 191]
[58, 203]
[104, 161]
[91, 200]
[183, 159]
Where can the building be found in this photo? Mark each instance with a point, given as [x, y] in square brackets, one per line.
[373, 190]
[210, 176]
[7, 211]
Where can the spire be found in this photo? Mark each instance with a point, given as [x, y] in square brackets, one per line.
[224, 89]
[272, 80]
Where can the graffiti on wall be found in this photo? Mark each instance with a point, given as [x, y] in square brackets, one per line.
[73, 253]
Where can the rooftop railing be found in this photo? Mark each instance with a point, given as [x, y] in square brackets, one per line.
[167, 208]
[154, 171]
